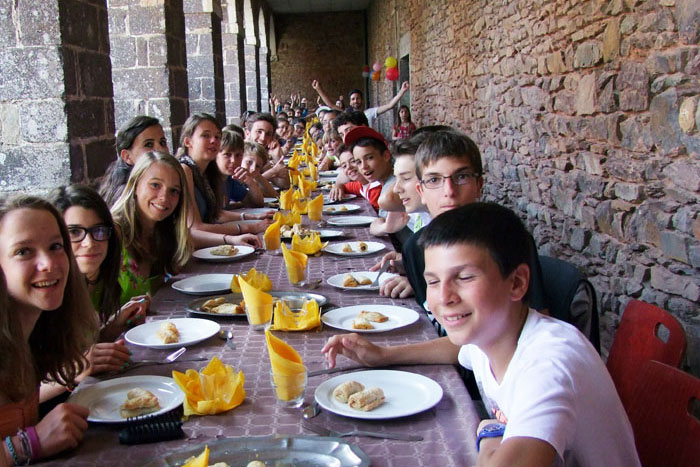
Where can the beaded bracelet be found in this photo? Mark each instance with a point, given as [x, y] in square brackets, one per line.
[11, 449]
[34, 442]
[26, 446]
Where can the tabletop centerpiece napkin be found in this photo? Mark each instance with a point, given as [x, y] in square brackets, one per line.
[309, 245]
[286, 363]
[284, 319]
[258, 303]
[253, 277]
[295, 262]
[314, 208]
[216, 388]
[271, 237]
[286, 198]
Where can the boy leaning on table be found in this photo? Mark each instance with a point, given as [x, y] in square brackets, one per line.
[552, 396]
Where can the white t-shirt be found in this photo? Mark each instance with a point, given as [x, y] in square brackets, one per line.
[418, 220]
[371, 115]
[557, 389]
[386, 185]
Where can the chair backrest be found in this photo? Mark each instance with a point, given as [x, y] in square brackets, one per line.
[646, 332]
[567, 295]
[665, 432]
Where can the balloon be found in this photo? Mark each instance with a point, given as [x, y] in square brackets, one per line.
[365, 74]
[392, 74]
[365, 69]
[376, 76]
[377, 66]
[390, 62]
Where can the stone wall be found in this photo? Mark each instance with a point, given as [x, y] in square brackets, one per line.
[587, 118]
[328, 47]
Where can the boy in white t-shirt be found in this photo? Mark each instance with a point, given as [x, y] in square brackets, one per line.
[553, 400]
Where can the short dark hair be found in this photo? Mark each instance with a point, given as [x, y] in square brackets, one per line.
[257, 116]
[356, 117]
[448, 143]
[234, 128]
[130, 130]
[369, 142]
[355, 91]
[495, 228]
[231, 140]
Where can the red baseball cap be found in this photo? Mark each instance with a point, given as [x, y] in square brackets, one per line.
[363, 132]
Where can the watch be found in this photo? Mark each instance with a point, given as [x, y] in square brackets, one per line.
[492, 430]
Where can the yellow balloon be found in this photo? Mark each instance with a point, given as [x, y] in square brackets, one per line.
[390, 62]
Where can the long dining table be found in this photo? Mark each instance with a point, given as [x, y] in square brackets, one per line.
[448, 429]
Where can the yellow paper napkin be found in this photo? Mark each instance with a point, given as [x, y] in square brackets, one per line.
[299, 207]
[257, 279]
[217, 388]
[271, 237]
[314, 208]
[287, 218]
[286, 199]
[309, 245]
[285, 320]
[258, 303]
[313, 171]
[286, 363]
[295, 262]
[201, 460]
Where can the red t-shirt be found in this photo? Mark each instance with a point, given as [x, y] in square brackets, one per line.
[370, 191]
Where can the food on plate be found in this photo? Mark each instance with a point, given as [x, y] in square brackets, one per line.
[343, 208]
[373, 316]
[224, 250]
[362, 280]
[347, 248]
[330, 209]
[256, 464]
[168, 333]
[222, 307]
[350, 281]
[287, 231]
[361, 323]
[367, 399]
[363, 246]
[211, 303]
[138, 402]
[343, 391]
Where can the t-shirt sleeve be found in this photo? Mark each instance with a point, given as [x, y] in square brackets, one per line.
[353, 187]
[373, 196]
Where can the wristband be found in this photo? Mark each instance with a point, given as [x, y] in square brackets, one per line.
[492, 430]
[242, 216]
[34, 442]
[11, 449]
[224, 239]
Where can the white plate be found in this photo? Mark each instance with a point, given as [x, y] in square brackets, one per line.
[104, 398]
[337, 248]
[257, 210]
[325, 234]
[347, 197]
[354, 221]
[406, 393]
[338, 209]
[270, 200]
[341, 318]
[328, 173]
[192, 331]
[194, 306]
[204, 284]
[337, 280]
[205, 254]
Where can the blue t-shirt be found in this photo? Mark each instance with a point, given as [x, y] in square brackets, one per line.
[235, 190]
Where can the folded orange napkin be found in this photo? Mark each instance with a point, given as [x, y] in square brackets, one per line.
[309, 245]
[257, 279]
[286, 199]
[217, 388]
[295, 263]
[288, 370]
[271, 237]
[287, 218]
[299, 207]
[202, 460]
[285, 320]
[313, 172]
[258, 303]
[314, 208]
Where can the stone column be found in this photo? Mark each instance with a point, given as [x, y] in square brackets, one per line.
[234, 65]
[147, 40]
[204, 57]
[252, 75]
[56, 124]
[264, 62]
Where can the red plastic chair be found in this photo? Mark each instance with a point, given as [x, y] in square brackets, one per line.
[665, 432]
[639, 339]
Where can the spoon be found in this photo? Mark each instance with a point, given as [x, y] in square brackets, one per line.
[310, 285]
[311, 410]
[228, 335]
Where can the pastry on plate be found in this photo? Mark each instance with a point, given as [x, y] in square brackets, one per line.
[343, 208]
[373, 316]
[224, 250]
[212, 303]
[362, 280]
[347, 248]
[367, 399]
[350, 281]
[330, 209]
[139, 402]
[347, 389]
[361, 323]
[168, 333]
[363, 246]
[228, 309]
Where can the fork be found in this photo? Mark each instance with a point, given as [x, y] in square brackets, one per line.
[372, 434]
[169, 359]
[385, 266]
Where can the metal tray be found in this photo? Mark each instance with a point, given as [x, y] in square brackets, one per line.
[295, 450]
[193, 306]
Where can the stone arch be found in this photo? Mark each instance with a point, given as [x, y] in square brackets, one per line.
[263, 62]
[272, 42]
[232, 38]
[251, 58]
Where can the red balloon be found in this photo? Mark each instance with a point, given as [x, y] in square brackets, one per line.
[392, 74]
[365, 69]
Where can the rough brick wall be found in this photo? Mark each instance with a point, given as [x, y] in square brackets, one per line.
[587, 118]
[328, 47]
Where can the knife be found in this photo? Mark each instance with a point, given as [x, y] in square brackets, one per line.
[327, 371]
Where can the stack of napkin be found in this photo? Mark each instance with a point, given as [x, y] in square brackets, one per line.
[259, 280]
[295, 262]
[217, 388]
[284, 320]
[314, 208]
[288, 370]
[271, 237]
[258, 303]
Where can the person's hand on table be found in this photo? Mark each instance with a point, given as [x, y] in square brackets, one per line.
[336, 193]
[62, 428]
[395, 264]
[134, 311]
[259, 226]
[396, 287]
[354, 347]
[104, 357]
[261, 215]
[243, 175]
[247, 239]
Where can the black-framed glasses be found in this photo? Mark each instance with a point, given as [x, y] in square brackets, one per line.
[458, 178]
[99, 233]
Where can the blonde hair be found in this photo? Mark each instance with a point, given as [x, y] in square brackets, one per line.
[56, 347]
[257, 150]
[169, 247]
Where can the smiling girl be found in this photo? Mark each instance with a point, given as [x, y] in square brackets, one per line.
[46, 325]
